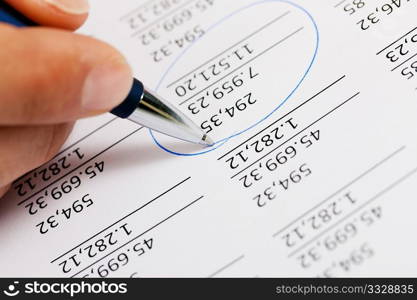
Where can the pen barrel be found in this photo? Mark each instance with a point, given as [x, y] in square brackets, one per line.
[128, 106]
[11, 16]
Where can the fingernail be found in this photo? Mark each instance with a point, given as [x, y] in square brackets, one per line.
[105, 87]
[73, 7]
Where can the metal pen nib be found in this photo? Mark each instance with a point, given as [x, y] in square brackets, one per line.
[161, 116]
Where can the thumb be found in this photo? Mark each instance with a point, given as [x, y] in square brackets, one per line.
[52, 76]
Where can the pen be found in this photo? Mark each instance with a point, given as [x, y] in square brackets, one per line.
[141, 105]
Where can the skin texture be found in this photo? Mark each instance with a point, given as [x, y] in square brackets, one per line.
[50, 78]
[43, 12]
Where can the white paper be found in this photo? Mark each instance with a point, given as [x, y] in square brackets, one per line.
[313, 105]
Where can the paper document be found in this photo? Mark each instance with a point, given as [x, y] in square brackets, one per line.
[313, 107]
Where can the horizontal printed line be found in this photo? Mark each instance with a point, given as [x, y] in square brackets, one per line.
[249, 61]
[231, 47]
[344, 187]
[83, 164]
[138, 236]
[283, 117]
[295, 135]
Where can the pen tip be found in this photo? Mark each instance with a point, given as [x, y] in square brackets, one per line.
[206, 140]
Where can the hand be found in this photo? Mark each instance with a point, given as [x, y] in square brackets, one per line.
[50, 78]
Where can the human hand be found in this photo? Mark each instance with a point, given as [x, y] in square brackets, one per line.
[50, 78]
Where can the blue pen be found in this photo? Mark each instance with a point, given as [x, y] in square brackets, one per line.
[140, 106]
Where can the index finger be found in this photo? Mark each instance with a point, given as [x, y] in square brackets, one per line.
[66, 14]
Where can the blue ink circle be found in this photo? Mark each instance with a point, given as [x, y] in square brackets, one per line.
[223, 141]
